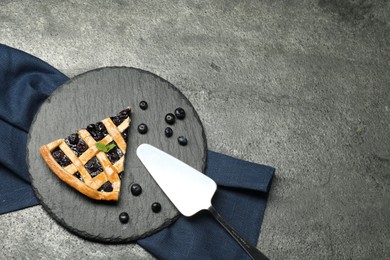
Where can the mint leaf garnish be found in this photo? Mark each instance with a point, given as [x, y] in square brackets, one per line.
[110, 147]
[105, 148]
[101, 147]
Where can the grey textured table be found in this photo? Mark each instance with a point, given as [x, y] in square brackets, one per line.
[302, 86]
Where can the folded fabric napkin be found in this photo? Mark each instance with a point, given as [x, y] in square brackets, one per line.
[26, 81]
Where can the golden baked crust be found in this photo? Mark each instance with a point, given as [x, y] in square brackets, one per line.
[87, 184]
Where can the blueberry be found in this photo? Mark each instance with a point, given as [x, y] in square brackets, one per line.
[113, 156]
[124, 113]
[182, 140]
[94, 167]
[65, 161]
[73, 139]
[170, 118]
[124, 218]
[143, 105]
[180, 113]
[92, 130]
[81, 147]
[98, 136]
[78, 176]
[142, 128]
[57, 154]
[91, 127]
[124, 135]
[156, 207]
[116, 120]
[107, 186]
[168, 132]
[94, 174]
[100, 127]
[92, 133]
[136, 189]
[91, 165]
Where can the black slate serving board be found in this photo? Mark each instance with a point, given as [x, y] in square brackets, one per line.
[88, 98]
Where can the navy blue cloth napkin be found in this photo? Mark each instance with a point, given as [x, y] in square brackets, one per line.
[240, 198]
[26, 81]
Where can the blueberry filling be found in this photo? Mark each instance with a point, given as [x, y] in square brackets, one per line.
[76, 144]
[78, 176]
[125, 135]
[81, 147]
[121, 116]
[60, 157]
[114, 154]
[124, 114]
[73, 139]
[107, 186]
[94, 167]
[100, 127]
[98, 131]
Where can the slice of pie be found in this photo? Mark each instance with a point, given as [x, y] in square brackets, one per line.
[92, 160]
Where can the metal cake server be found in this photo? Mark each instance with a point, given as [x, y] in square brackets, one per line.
[189, 190]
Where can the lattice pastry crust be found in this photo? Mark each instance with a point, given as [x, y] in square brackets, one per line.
[83, 166]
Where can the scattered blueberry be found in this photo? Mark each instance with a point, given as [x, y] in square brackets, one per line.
[143, 105]
[170, 118]
[136, 189]
[124, 217]
[142, 128]
[168, 132]
[180, 113]
[156, 207]
[182, 140]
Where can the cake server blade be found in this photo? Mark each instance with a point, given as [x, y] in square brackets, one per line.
[189, 190]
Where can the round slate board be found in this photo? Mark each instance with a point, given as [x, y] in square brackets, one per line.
[88, 98]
